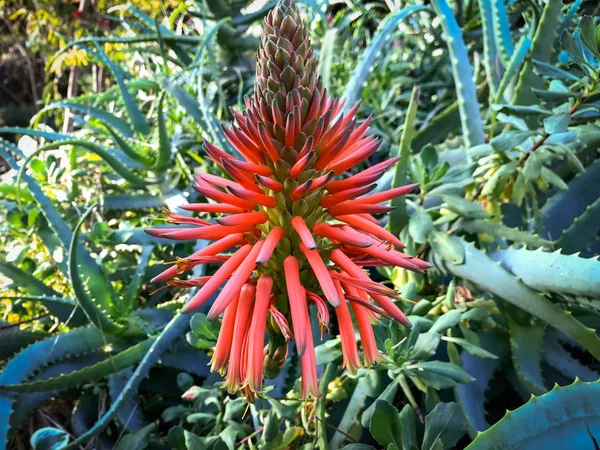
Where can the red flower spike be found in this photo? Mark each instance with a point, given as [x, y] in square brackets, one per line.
[178, 219]
[242, 319]
[220, 196]
[217, 279]
[275, 235]
[301, 164]
[210, 250]
[309, 385]
[299, 191]
[373, 311]
[320, 270]
[339, 235]
[257, 333]
[319, 182]
[322, 311]
[293, 142]
[303, 231]
[223, 347]
[371, 228]
[349, 194]
[219, 208]
[349, 349]
[269, 183]
[339, 258]
[185, 284]
[212, 232]
[248, 167]
[252, 218]
[297, 298]
[281, 322]
[244, 179]
[235, 283]
[260, 199]
[370, 353]
[384, 196]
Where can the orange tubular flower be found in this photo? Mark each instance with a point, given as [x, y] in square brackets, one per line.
[291, 228]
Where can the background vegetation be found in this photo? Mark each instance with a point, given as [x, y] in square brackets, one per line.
[494, 108]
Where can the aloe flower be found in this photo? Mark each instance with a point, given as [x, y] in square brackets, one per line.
[301, 230]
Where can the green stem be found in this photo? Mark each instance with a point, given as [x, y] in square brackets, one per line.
[327, 377]
[403, 381]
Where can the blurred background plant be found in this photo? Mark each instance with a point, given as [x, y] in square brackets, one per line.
[493, 107]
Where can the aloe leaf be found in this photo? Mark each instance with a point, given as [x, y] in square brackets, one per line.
[484, 272]
[446, 247]
[443, 123]
[103, 152]
[125, 147]
[355, 86]
[176, 327]
[553, 272]
[558, 357]
[583, 230]
[172, 40]
[138, 236]
[167, 35]
[542, 50]
[27, 403]
[65, 309]
[526, 350]
[567, 19]
[399, 216]
[127, 202]
[165, 151]
[502, 35]
[97, 282]
[110, 365]
[560, 418]
[490, 50]
[130, 414]
[135, 284]
[471, 396]
[514, 65]
[386, 426]
[38, 133]
[105, 117]
[466, 92]
[326, 57]
[37, 356]
[560, 211]
[90, 306]
[62, 308]
[193, 108]
[504, 232]
[252, 17]
[13, 341]
[26, 281]
[140, 125]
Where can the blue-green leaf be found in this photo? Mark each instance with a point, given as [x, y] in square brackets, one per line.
[484, 272]
[355, 86]
[466, 92]
[553, 272]
[140, 125]
[557, 420]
